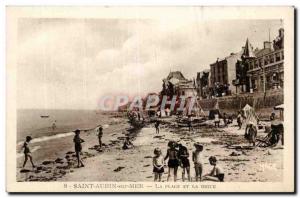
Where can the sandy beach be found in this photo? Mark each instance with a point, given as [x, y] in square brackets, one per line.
[114, 164]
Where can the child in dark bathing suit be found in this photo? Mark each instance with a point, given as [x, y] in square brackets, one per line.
[173, 162]
[77, 142]
[183, 156]
[27, 152]
[100, 134]
[157, 126]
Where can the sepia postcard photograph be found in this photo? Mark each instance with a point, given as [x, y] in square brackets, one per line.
[150, 99]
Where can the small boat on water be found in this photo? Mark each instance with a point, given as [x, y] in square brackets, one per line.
[45, 116]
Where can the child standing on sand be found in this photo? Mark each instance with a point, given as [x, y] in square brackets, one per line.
[216, 173]
[158, 164]
[157, 126]
[217, 120]
[77, 142]
[239, 120]
[27, 152]
[183, 156]
[198, 161]
[100, 134]
[173, 163]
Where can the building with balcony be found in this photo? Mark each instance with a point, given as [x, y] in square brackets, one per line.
[266, 72]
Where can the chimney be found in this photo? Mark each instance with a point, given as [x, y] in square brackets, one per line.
[281, 32]
[267, 45]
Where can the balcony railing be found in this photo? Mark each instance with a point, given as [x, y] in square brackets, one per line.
[267, 60]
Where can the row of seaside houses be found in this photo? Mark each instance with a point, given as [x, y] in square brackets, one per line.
[248, 71]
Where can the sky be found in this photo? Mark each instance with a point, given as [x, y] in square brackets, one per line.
[71, 63]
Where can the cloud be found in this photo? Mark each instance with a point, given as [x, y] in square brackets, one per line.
[71, 63]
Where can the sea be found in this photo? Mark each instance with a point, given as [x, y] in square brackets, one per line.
[30, 122]
[37, 123]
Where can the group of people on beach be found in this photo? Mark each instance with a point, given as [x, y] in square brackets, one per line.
[78, 141]
[227, 119]
[178, 155]
[77, 145]
[250, 129]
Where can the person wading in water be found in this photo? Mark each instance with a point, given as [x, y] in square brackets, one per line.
[27, 152]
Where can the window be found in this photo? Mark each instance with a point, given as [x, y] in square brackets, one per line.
[261, 80]
[251, 65]
[266, 60]
[277, 55]
[256, 64]
[272, 58]
[260, 63]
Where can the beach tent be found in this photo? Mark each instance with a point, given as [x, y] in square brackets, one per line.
[212, 113]
[280, 108]
[196, 109]
[250, 115]
[163, 113]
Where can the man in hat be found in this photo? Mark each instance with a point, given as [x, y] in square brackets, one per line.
[27, 152]
[77, 142]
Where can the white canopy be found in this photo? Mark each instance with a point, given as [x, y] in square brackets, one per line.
[250, 115]
[279, 107]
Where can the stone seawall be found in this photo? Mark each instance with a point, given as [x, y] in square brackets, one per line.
[231, 104]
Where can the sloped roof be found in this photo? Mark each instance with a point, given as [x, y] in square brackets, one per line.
[248, 51]
[177, 75]
[262, 52]
[174, 81]
[200, 74]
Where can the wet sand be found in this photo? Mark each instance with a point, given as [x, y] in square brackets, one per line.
[114, 164]
[56, 149]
